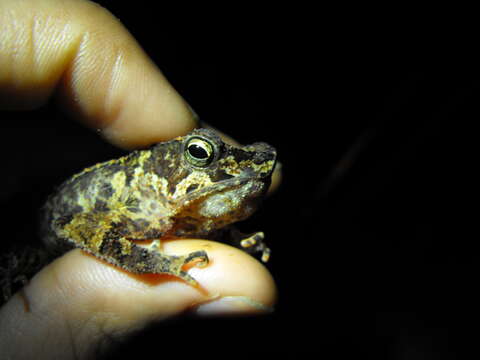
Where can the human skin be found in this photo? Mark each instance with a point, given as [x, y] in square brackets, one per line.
[78, 53]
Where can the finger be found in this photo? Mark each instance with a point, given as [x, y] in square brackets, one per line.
[79, 51]
[77, 305]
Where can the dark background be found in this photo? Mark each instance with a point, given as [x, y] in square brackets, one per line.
[371, 235]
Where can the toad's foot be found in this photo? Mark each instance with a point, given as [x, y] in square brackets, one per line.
[175, 265]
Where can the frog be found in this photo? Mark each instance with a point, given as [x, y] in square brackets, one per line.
[192, 186]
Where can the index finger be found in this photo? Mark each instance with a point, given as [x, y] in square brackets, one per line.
[79, 51]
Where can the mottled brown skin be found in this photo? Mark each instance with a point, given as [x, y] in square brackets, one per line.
[191, 186]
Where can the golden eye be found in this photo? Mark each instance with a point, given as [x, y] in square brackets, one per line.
[199, 152]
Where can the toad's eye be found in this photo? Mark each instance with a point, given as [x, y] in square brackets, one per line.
[199, 152]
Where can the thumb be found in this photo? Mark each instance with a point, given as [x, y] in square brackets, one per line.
[79, 306]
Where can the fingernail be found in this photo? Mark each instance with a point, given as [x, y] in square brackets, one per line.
[233, 305]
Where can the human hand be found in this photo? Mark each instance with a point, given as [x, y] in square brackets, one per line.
[78, 52]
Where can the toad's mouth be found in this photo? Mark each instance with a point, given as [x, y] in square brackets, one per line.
[231, 201]
[242, 187]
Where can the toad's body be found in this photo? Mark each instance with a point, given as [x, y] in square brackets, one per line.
[190, 186]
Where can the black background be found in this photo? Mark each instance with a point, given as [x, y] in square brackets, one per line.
[372, 248]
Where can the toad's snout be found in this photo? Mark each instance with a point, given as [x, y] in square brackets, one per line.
[265, 158]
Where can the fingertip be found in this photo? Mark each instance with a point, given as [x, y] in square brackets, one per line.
[236, 282]
[276, 178]
[121, 134]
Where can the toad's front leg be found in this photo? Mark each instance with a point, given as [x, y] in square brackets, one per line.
[252, 244]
